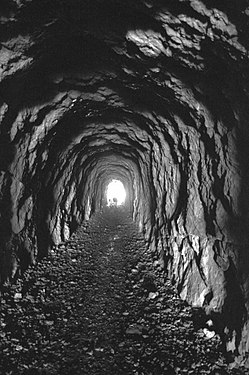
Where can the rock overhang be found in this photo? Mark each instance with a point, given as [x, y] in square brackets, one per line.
[157, 92]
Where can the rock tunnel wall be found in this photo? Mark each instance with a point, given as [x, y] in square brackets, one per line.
[154, 94]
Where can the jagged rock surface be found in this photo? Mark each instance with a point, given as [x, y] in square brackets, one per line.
[100, 305]
[151, 93]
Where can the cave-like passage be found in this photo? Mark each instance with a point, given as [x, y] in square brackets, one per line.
[100, 304]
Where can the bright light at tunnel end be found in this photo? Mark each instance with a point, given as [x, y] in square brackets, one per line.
[115, 193]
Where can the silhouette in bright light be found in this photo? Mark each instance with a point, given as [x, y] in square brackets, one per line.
[115, 193]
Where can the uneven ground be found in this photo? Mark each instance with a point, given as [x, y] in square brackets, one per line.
[100, 304]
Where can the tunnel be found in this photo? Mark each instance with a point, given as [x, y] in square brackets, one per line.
[153, 94]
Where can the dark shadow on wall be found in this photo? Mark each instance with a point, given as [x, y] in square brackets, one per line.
[7, 255]
[234, 308]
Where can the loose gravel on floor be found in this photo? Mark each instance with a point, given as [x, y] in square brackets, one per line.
[100, 304]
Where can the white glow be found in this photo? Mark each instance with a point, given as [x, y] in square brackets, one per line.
[115, 193]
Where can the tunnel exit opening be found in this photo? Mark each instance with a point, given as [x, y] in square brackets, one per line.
[115, 193]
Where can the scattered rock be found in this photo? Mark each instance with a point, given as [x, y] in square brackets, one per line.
[83, 317]
[153, 295]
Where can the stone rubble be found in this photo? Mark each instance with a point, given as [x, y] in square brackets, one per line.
[100, 304]
[154, 93]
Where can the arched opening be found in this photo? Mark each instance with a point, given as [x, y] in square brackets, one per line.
[154, 97]
[115, 193]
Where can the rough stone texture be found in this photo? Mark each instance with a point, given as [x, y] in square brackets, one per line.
[99, 304]
[151, 93]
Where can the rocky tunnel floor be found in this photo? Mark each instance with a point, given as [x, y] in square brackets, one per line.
[100, 304]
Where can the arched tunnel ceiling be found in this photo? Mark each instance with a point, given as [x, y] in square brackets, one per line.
[155, 93]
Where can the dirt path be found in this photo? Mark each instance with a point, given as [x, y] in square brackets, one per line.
[100, 305]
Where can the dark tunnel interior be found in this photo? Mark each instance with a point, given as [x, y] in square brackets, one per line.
[154, 94]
